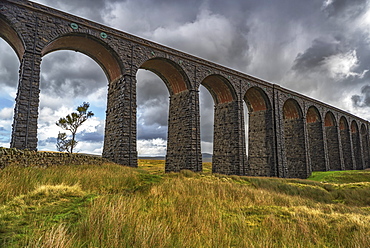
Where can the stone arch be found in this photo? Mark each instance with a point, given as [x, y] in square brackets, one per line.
[315, 135]
[226, 157]
[92, 47]
[261, 134]
[171, 73]
[332, 141]
[117, 147]
[346, 143]
[365, 145]
[294, 140]
[292, 110]
[183, 136]
[220, 89]
[356, 144]
[12, 37]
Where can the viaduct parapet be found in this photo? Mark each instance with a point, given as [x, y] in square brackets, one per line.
[290, 135]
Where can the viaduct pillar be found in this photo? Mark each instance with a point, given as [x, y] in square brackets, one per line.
[183, 141]
[228, 146]
[24, 132]
[120, 125]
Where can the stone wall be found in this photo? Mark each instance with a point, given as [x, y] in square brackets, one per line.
[29, 158]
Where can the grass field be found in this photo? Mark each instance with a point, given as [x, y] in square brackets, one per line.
[116, 206]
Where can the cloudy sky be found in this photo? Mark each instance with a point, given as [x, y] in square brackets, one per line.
[320, 48]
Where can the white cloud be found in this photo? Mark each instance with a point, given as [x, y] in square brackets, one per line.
[342, 65]
[6, 113]
[152, 147]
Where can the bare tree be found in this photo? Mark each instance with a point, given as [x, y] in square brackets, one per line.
[71, 123]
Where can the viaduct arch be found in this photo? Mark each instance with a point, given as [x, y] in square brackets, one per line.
[290, 135]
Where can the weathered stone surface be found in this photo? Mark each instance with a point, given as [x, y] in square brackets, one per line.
[30, 158]
[333, 147]
[295, 148]
[183, 145]
[261, 139]
[316, 146]
[227, 157]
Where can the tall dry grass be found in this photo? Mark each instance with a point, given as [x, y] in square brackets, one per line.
[114, 206]
[193, 212]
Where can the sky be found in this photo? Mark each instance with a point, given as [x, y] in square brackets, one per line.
[319, 48]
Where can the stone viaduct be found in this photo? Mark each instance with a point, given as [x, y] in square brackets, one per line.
[290, 135]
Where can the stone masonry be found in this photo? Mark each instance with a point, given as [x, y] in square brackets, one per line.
[290, 135]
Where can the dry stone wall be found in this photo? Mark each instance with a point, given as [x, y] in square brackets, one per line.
[27, 158]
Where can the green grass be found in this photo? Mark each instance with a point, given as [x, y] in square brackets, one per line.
[116, 206]
[351, 176]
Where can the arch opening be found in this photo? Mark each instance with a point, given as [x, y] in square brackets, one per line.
[225, 158]
[183, 135]
[67, 79]
[206, 123]
[294, 141]
[332, 141]
[9, 77]
[260, 138]
[92, 47]
[315, 134]
[152, 115]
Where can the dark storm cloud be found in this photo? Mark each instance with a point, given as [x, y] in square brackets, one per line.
[9, 65]
[152, 101]
[362, 100]
[314, 56]
[71, 74]
[147, 132]
[345, 8]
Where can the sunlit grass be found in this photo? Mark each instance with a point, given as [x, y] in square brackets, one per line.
[117, 206]
[349, 176]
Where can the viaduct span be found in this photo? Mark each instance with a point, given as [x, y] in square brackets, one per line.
[290, 135]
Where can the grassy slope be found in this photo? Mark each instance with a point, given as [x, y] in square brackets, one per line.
[115, 206]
